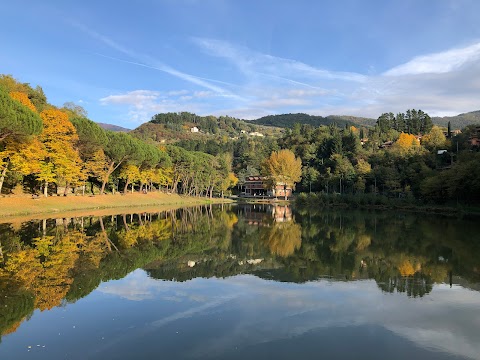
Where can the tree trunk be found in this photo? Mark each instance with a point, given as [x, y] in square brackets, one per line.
[1, 253]
[45, 189]
[125, 189]
[67, 186]
[2, 178]
[107, 176]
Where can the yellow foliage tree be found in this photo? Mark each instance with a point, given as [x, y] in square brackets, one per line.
[406, 268]
[130, 173]
[62, 162]
[282, 167]
[435, 139]
[407, 143]
[23, 99]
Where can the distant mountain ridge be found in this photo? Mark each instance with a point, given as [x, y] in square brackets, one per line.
[288, 120]
[111, 127]
[226, 124]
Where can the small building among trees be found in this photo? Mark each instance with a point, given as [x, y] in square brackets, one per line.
[261, 186]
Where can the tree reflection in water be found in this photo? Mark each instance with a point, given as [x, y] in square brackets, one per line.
[45, 263]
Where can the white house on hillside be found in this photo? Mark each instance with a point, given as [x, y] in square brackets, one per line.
[256, 133]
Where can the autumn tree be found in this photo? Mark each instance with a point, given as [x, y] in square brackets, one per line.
[130, 174]
[16, 119]
[406, 143]
[62, 161]
[435, 139]
[35, 95]
[18, 122]
[282, 167]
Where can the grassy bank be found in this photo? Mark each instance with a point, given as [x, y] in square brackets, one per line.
[22, 206]
[371, 201]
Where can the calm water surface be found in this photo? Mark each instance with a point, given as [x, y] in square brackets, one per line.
[238, 282]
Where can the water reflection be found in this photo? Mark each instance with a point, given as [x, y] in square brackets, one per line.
[50, 263]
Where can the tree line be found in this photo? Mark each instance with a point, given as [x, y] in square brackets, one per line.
[53, 150]
[402, 156]
[59, 150]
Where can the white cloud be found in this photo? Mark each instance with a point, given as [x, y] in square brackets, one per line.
[136, 98]
[438, 63]
[297, 309]
[441, 84]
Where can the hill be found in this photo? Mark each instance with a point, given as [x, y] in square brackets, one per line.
[173, 127]
[288, 120]
[111, 127]
[459, 121]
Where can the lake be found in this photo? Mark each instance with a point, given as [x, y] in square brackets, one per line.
[241, 281]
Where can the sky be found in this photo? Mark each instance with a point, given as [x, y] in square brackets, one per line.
[124, 61]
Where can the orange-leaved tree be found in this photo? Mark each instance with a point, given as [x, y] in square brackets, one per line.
[407, 143]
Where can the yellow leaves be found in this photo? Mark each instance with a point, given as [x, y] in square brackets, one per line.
[283, 166]
[23, 99]
[232, 179]
[406, 268]
[130, 172]
[406, 141]
[57, 127]
[62, 161]
[435, 139]
[27, 159]
[363, 167]
[159, 230]
[97, 165]
[284, 238]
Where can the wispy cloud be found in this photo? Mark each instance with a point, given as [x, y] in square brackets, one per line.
[438, 63]
[442, 83]
[252, 62]
[152, 63]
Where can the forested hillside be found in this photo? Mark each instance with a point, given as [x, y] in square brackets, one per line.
[172, 127]
[459, 121]
[289, 120]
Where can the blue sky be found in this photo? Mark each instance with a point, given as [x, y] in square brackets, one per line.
[125, 61]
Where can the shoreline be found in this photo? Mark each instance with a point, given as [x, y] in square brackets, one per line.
[421, 209]
[23, 207]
